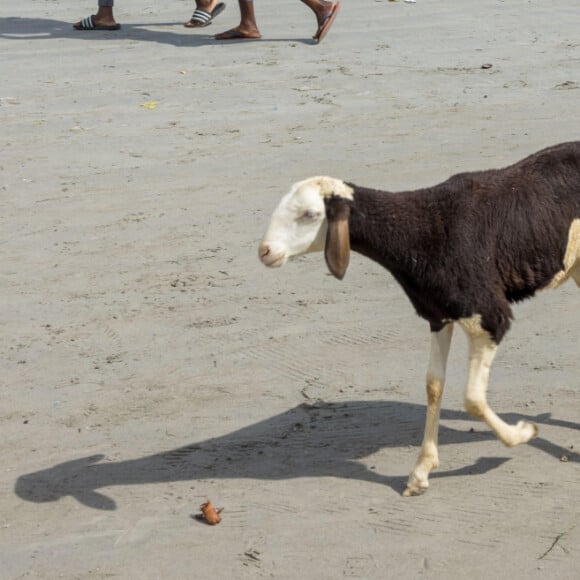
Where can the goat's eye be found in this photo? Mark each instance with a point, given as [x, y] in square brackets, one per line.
[309, 215]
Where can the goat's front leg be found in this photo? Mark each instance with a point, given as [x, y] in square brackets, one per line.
[429, 456]
[482, 351]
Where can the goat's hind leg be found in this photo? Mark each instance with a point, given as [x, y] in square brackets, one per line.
[576, 273]
[429, 455]
[574, 247]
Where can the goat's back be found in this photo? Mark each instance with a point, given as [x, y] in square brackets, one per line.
[520, 219]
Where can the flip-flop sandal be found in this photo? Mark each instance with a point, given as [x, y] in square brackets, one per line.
[233, 34]
[326, 23]
[88, 23]
[201, 18]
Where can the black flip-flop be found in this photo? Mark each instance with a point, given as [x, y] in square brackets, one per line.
[234, 34]
[88, 23]
[201, 18]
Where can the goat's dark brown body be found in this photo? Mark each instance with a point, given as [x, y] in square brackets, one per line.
[476, 242]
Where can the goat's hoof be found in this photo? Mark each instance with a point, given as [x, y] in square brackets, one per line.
[415, 488]
[528, 430]
[521, 433]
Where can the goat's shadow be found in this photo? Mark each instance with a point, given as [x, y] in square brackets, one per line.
[324, 439]
[17, 28]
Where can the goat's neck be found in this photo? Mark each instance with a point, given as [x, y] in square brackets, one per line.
[390, 229]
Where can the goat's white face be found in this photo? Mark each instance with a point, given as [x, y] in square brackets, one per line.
[299, 223]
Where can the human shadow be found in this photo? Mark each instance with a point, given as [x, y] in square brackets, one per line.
[318, 440]
[17, 28]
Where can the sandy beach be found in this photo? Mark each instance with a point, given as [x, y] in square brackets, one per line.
[149, 361]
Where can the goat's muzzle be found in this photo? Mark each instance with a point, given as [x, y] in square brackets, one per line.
[270, 257]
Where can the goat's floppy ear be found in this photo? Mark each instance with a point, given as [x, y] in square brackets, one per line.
[337, 248]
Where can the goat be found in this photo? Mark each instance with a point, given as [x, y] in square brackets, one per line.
[462, 251]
